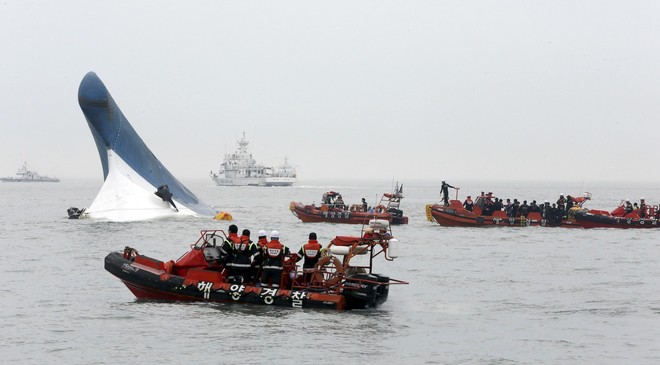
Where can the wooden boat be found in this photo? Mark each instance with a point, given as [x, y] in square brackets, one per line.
[333, 210]
[199, 275]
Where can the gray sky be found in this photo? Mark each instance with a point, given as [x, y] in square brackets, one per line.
[567, 90]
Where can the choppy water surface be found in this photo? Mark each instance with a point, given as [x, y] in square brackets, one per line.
[497, 295]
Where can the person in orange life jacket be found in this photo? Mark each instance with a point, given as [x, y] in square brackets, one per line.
[243, 255]
[273, 253]
[311, 252]
[468, 204]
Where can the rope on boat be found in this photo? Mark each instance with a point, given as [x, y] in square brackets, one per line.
[429, 216]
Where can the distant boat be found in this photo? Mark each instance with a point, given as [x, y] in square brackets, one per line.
[25, 175]
[136, 184]
[240, 169]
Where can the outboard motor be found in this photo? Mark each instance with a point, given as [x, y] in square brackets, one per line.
[164, 193]
[363, 294]
[396, 213]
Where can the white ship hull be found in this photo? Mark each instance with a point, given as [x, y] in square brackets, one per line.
[11, 179]
[240, 169]
[280, 181]
[254, 181]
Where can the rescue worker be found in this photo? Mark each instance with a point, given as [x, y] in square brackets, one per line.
[524, 209]
[263, 240]
[258, 259]
[561, 208]
[311, 252]
[444, 190]
[534, 207]
[365, 206]
[468, 204]
[339, 202]
[642, 208]
[545, 211]
[273, 253]
[227, 247]
[243, 255]
[569, 203]
[481, 200]
[628, 208]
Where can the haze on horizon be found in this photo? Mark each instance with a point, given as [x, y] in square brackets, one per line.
[444, 90]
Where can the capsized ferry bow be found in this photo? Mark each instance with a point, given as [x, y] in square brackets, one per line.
[131, 172]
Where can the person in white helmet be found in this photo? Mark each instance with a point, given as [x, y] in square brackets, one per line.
[273, 254]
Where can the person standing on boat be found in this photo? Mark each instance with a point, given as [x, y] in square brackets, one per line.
[642, 208]
[534, 207]
[365, 206]
[628, 208]
[339, 202]
[481, 200]
[444, 189]
[561, 206]
[569, 204]
[274, 253]
[258, 260]
[468, 204]
[243, 255]
[524, 209]
[226, 247]
[311, 252]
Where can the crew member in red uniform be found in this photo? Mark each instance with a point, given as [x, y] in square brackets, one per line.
[243, 255]
[273, 253]
[226, 250]
[311, 252]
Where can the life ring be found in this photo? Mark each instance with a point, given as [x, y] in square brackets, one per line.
[380, 209]
[325, 277]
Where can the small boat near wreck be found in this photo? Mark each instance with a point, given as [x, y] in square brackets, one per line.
[200, 275]
[333, 209]
[455, 214]
[624, 216]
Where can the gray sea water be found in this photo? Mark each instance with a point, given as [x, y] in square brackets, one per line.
[523, 295]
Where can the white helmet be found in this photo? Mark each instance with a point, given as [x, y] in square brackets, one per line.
[274, 234]
[262, 233]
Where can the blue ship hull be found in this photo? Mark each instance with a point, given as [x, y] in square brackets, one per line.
[114, 136]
